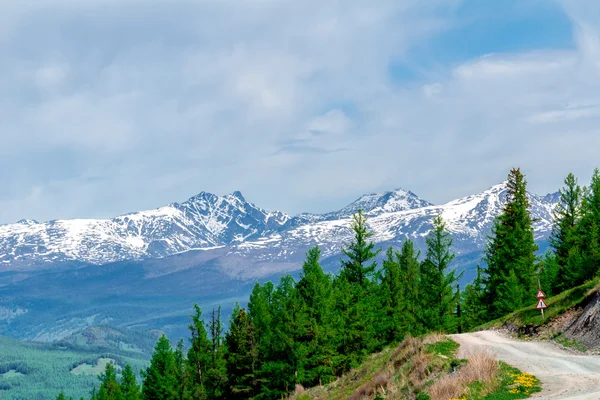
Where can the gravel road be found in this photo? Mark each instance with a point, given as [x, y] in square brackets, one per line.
[564, 375]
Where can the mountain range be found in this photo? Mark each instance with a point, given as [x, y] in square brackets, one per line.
[143, 270]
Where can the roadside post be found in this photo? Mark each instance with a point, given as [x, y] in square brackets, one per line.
[540, 296]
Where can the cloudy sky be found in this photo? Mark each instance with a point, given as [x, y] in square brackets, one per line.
[109, 106]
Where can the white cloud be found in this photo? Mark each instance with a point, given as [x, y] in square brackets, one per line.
[109, 107]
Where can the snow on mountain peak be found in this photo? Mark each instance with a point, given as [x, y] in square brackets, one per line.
[373, 204]
[208, 221]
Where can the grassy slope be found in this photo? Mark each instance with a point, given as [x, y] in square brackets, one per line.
[36, 371]
[557, 305]
[424, 366]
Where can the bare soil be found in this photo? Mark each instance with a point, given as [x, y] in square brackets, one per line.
[564, 374]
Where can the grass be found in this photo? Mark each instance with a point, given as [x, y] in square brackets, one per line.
[427, 369]
[577, 296]
[570, 343]
[89, 369]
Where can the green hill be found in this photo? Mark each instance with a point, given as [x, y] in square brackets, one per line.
[30, 371]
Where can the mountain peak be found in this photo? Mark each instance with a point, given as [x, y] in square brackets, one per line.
[373, 204]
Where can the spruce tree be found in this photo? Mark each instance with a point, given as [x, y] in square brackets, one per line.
[109, 387]
[129, 387]
[511, 246]
[241, 355]
[217, 374]
[473, 308]
[589, 231]
[315, 291]
[360, 265]
[198, 355]
[392, 293]
[356, 298]
[438, 280]
[410, 268]
[160, 378]
[565, 238]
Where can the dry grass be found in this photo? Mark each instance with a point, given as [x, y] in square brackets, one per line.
[434, 338]
[482, 367]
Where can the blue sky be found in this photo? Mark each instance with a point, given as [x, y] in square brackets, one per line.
[108, 106]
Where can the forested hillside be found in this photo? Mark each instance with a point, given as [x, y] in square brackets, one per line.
[308, 332]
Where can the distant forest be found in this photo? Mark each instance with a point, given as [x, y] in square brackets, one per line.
[310, 331]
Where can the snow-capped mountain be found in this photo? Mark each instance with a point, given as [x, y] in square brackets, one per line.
[204, 221]
[469, 219]
[207, 221]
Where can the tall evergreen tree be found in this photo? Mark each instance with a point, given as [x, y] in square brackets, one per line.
[565, 238]
[360, 264]
[129, 387]
[356, 298]
[410, 268]
[315, 291]
[160, 378]
[109, 388]
[198, 355]
[217, 374]
[438, 280]
[473, 308]
[392, 289]
[511, 247]
[589, 231]
[241, 355]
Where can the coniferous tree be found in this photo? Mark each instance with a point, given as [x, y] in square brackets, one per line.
[565, 238]
[357, 300]
[160, 378]
[392, 288]
[129, 387]
[473, 308]
[438, 280]
[217, 374]
[198, 355]
[109, 387]
[360, 265]
[241, 355]
[589, 231]
[511, 247]
[410, 268]
[315, 291]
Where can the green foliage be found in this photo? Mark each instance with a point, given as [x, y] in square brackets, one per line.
[510, 248]
[361, 253]
[161, 377]
[129, 387]
[241, 355]
[438, 280]
[42, 371]
[473, 309]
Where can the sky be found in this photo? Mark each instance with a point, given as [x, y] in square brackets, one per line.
[108, 107]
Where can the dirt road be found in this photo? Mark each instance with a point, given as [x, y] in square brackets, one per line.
[563, 375]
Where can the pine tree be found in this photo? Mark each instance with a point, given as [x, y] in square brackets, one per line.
[109, 387]
[160, 378]
[198, 355]
[392, 288]
[565, 238]
[129, 387]
[217, 374]
[473, 308]
[589, 231]
[410, 268]
[356, 298]
[438, 280]
[315, 291]
[241, 355]
[510, 247]
[360, 265]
